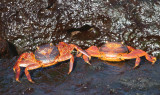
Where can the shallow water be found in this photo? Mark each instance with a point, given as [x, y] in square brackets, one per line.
[27, 24]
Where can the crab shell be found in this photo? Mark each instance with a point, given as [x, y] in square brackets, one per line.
[46, 53]
[110, 51]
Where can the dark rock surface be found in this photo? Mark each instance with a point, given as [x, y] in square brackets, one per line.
[101, 77]
[4, 48]
[7, 50]
[25, 24]
[28, 24]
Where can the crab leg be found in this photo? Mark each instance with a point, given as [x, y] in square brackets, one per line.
[29, 62]
[49, 64]
[16, 67]
[66, 57]
[137, 62]
[17, 71]
[150, 58]
[80, 50]
[136, 54]
[71, 64]
[85, 58]
[31, 67]
[92, 51]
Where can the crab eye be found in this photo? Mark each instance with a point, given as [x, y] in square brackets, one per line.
[122, 42]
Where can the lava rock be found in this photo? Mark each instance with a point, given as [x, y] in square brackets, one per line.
[7, 50]
[4, 48]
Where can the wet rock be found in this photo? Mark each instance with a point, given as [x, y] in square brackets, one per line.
[29, 24]
[26, 25]
[4, 49]
[7, 50]
[99, 78]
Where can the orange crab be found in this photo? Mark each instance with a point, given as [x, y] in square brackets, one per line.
[44, 56]
[116, 51]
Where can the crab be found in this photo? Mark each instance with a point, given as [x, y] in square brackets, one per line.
[117, 51]
[44, 56]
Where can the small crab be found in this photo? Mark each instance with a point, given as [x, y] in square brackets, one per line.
[44, 56]
[117, 51]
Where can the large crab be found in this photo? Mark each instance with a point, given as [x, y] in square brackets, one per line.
[117, 51]
[44, 56]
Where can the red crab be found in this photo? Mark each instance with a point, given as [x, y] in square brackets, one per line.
[44, 56]
[116, 51]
